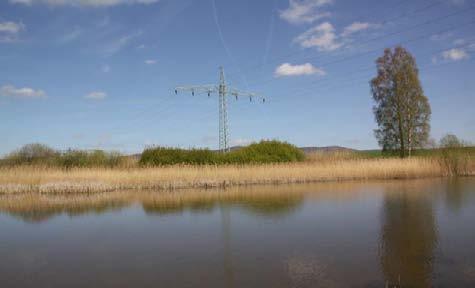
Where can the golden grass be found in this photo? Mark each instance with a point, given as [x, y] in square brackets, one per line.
[88, 180]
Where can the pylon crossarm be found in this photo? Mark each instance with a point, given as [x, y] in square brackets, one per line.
[201, 89]
[236, 93]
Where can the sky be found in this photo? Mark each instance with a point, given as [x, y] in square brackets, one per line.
[100, 74]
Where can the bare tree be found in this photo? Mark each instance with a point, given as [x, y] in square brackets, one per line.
[401, 109]
[450, 141]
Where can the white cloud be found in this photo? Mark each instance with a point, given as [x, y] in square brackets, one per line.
[288, 69]
[11, 27]
[9, 31]
[150, 61]
[89, 3]
[455, 54]
[357, 27]
[321, 36]
[304, 11]
[96, 95]
[25, 92]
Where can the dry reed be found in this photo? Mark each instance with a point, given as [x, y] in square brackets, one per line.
[53, 180]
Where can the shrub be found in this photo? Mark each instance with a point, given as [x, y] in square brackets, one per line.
[257, 153]
[454, 156]
[96, 158]
[39, 154]
[31, 154]
[264, 152]
[170, 156]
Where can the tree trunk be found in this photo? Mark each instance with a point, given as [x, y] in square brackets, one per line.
[402, 149]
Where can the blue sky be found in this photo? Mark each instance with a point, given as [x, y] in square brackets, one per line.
[101, 73]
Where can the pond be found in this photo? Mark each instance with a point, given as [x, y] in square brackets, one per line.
[417, 233]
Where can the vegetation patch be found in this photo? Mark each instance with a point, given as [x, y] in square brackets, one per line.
[258, 153]
[42, 155]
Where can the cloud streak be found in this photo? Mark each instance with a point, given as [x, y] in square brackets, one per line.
[455, 54]
[322, 36]
[24, 92]
[305, 11]
[9, 31]
[325, 38]
[71, 36]
[118, 44]
[356, 27]
[96, 95]
[150, 61]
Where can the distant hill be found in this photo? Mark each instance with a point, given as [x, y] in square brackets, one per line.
[327, 149]
[314, 149]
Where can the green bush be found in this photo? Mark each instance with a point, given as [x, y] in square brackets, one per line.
[454, 155]
[80, 158]
[39, 154]
[169, 156]
[258, 153]
[31, 154]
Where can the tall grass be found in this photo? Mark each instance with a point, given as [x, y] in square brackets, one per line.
[456, 161]
[55, 180]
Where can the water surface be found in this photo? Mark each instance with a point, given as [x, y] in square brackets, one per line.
[380, 234]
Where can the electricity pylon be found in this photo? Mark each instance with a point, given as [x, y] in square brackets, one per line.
[223, 91]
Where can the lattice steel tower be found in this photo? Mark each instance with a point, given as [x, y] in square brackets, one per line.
[223, 91]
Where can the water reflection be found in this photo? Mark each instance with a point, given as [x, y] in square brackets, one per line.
[377, 234]
[274, 201]
[408, 236]
[40, 208]
[457, 194]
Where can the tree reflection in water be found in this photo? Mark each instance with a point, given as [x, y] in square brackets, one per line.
[408, 238]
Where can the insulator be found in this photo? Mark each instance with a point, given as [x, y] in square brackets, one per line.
[250, 99]
[209, 94]
[263, 100]
[176, 92]
[192, 93]
[236, 97]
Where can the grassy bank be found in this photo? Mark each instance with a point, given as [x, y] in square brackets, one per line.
[20, 179]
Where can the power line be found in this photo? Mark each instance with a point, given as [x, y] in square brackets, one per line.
[357, 80]
[371, 67]
[404, 15]
[355, 56]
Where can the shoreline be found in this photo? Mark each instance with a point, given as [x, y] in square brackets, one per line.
[43, 180]
[265, 199]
